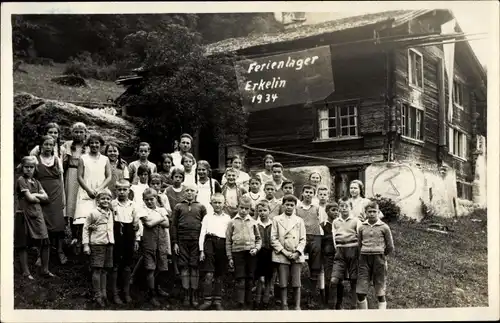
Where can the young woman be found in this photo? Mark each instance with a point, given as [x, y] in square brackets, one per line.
[357, 201]
[207, 186]
[242, 178]
[94, 175]
[73, 150]
[267, 174]
[49, 174]
[165, 169]
[52, 129]
[119, 167]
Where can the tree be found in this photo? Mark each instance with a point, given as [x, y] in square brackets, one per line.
[183, 90]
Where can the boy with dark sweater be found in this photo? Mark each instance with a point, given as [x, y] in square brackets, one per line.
[264, 271]
[345, 263]
[375, 240]
[310, 214]
[243, 241]
[186, 226]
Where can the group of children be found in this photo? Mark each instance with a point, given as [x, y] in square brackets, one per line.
[176, 215]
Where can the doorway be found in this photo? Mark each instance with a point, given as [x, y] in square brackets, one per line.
[341, 177]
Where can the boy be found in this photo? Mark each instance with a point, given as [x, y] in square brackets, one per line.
[345, 263]
[143, 152]
[288, 239]
[264, 272]
[322, 196]
[310, 214]
[274, 203]
[232, 193]
[186, 226]
[375, 240]
[328, 251]
[278, 179]
[127, 237]
[255, 194]
[98, 240]
[213, 256]
[243, 241]
[155, 240]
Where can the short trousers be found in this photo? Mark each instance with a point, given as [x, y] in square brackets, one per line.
[123, 251]
[215, 256]
[287, 271]
[345, 263]
[372, 268]
[154, 259]
[101, 256]
[313, 249]
[265, 265]
[189, 254]
[244, 265]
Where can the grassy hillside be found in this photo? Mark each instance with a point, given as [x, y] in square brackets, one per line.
[428, 270]
[37, 82]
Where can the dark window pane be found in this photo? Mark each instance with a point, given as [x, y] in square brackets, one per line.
[332, 133]
[332, 123]
[351, 121]
[345, 131]
[343, 122]
[352, 131]
[343, 111]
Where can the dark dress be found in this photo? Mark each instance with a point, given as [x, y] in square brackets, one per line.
[33, 216]
[51, 181]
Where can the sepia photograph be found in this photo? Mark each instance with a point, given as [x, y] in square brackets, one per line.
[197, 157]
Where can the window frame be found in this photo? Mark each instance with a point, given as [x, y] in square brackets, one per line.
[406, 121]
[458, 140]
[466, 191]
[337, 105]
[410, 68]
[461, 86]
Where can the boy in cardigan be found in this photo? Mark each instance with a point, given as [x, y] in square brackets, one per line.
[288, 239]
[274, 203]
[375, 240]
[98, 240]
[345, 263]
[243, 241]
[186, 226]
[264, 271]
[213, 256]
[310, 214]
[232, 193]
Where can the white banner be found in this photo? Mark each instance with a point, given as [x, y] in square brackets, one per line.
[449, 62]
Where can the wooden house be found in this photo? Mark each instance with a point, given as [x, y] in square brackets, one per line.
[390, 104]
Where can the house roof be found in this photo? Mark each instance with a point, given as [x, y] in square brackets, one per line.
[235, 44]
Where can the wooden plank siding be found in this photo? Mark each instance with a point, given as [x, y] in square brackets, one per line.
[294, 128]
[427, 150]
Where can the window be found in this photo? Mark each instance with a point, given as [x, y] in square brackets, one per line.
[464, 191]
[415, 68]
[458, 143]
[338, 120]
[412, 125]
[458, 94]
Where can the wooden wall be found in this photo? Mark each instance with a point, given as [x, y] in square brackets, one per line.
[294, 128]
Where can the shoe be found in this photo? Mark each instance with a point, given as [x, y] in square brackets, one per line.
[62, 258]
[265, 306]
[284, 307]
[127, 299]
[100, 302]
[117, 300]
[161, 292]
[206, 305]
[154, 302]
[186, 302]
[194, 298]
[240, 306]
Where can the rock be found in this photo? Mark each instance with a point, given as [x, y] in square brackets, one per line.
[70, 80]
[300, 176]
[36, 112]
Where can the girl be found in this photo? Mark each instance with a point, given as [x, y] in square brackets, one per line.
[255, 194]
[73, 150]
[267, 174]
[49, 173]
[52, 129]
[94, 175]
[206, 185]
[165, 170]
[136, 190]
[357, 201]
[29, 218]
[232, 192]
[119, 167]
[187, 162]
[242, 178]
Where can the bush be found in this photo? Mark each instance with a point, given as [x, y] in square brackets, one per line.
[86, 66]
[391, 211]
[429, 212]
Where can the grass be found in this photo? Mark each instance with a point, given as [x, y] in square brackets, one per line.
[427, 270]
[38, 82]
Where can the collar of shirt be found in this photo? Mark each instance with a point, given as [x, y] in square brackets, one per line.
[188, 202]
[293, 214]
[327, 221]
[302, 206]
[247, 218]
[268, 223]
[106, 213]
[379, 222]
[126, 203]
[341, 219]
